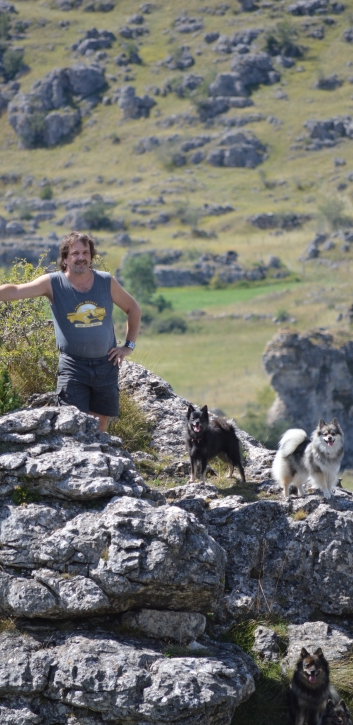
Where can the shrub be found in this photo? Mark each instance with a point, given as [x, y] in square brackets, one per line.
[27, 341]
[4, 26]
[23, 495]
[46, 192]
[281, 40]
[161, 303]
[169, 324]
[139, 277]
[96, 215]
[36, 122]
[10, 398]
[332, 211]
[24, 212]
[132, 425]
[11, 62]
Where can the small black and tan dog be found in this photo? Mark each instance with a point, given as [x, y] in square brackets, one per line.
[206, 439]
[336, 714]
[310, 689]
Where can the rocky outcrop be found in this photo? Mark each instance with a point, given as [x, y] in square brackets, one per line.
[94, 40]
[45, 116]
[329, 132]
[312, 376]
[269, 220]
[315, 7]
[133, 106]
[240, 150]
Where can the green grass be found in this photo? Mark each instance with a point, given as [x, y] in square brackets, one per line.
[185, 299]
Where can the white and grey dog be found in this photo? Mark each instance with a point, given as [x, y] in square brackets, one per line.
[319, 459]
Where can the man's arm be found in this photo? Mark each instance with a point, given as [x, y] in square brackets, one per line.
[122, 299]
[37, 288]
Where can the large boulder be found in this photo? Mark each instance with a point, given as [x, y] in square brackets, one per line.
[45, 116]
[240, 150]
[315, 7]
[328, 132]
[133, 106]
[312, 376]
[106, 678]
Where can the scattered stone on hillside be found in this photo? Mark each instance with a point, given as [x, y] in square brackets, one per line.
[254, 69]
[328, 132]
[135, 680]
[14, 229]
[7, 7]
[133, 33]
[179, 60]
[266, 643]
[195, 143]
[287, 220]
[348, 35]
[241, 120]
[211, 37]
[188, 82]
[241, 150]
[212, 107]
[315, 7]
[318, 33]
[133, 106]
[248, 5]
[312, 377]
[328, 83]
[125, 58]
[94, 40]
[217, 209]
[311, 635]
[182, 627]
[44, 115]
[312, 251]
[99, 7]
[136, 19]
[205, 268]
[29, 247]
[186, 24]
[148, 143]
[123, 239]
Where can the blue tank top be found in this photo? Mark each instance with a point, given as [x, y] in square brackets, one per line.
[83, 320]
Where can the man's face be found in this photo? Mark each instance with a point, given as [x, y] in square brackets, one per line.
[79, 258]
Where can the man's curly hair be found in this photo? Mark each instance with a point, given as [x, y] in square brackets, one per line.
[69, 240]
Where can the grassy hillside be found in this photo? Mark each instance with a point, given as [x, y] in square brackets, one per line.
[218, 359]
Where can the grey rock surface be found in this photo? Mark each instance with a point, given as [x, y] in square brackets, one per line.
[181, 627]
[312, 376]
[329, 132]
[44, 116]
[106, 679]
[266, 643]
[335, 644]
[269, 220]
[133, 106]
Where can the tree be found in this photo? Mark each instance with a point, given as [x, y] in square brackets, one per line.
[139, 277]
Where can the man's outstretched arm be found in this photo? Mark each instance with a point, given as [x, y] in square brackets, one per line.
[122, 299]
[37, 288]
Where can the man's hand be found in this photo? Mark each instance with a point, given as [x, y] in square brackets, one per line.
[118, 354]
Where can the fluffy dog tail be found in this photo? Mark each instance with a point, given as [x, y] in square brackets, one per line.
[290, 441]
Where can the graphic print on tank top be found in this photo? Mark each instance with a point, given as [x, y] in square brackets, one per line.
[87, 314]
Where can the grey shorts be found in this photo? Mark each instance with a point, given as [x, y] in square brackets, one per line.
[90, 384]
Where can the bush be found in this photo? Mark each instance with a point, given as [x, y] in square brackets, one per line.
[46, 193]
[96, 215]
[4, 26]
[281, 40]
[10, 398]
[24, 212]
[27, 340]
[12, 62]
[332, 211]
[161, 303]
[139, 277]
[132, 425]
[169, 324]
[36, 122]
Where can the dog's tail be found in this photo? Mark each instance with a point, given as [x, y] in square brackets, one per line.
[290, 441]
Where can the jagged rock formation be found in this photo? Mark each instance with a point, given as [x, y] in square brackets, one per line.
[131, 567]
[328, 132]
[45, 116]
[312, 375]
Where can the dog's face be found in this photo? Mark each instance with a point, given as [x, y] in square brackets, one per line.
[337, 714]
[313, 669]
[329, 435]
[197, 420]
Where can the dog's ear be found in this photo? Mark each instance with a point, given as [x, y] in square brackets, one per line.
[204, 410]
[330, 706]
[190, 410]
[336, 423]
[344, 707]
[319, 652]
[304, 653]
[321, 423]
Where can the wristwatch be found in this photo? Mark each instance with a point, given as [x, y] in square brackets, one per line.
[129, 344]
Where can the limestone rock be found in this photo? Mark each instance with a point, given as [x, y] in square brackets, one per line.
[269, 220]
[328, 132]
[182, 627]
[314, 7]
[37, 118]
[186, 24]
[334, 642]
[266, 643]
[133, 106]
[104, 677]
[312, 377]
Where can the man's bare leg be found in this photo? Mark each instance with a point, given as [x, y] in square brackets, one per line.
[103, 421]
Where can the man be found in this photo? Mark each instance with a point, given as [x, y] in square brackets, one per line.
[82, 304]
